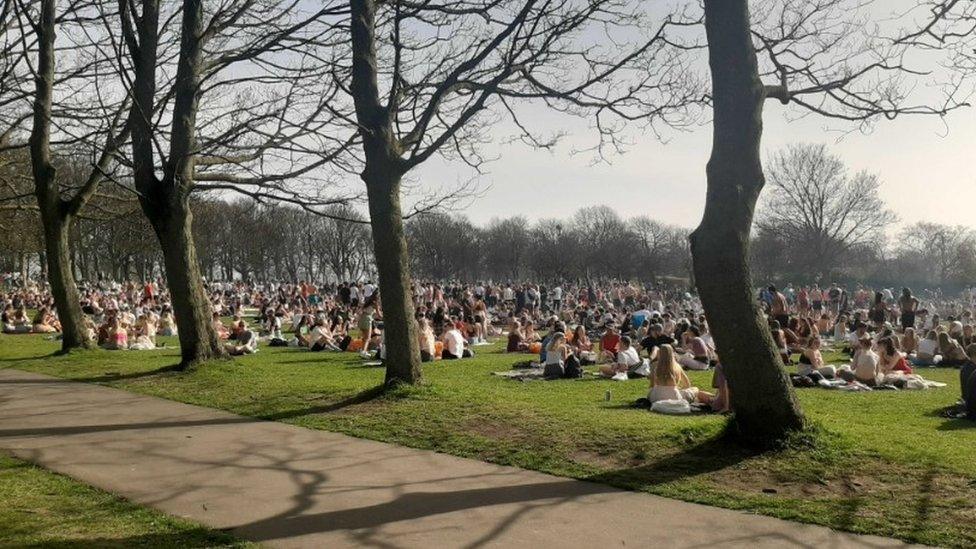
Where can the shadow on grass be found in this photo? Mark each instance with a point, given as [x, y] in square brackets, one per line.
[360, 398]
[16, 360]
[708, 456]
[118, 376]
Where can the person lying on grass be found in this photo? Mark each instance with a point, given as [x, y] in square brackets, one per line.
[670, 382]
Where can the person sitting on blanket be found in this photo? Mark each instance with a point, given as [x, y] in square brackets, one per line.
[891, 359]
[167, 323]
[812, 362]
[625, 361]
[866, 364]
[670, 382]
[17, 322]
[909, 342]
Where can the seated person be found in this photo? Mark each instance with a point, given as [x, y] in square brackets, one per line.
[167, 323]
[655, 338]
[218, 326]
[320, 337]
[866, 367]
[144, 334]
[609, 344]
[670, 382]
[722, 402]
[17, 322]
[425, 339]
[952, 353]
[516, 341]
[454, 345]
[891, 359]
[909, 342]
[45, 323]
[698, 355]
[927, 349]
[581, 342]
[626, 360]
[558, 356]
[246, 343]
[116, 336]
[812, 362]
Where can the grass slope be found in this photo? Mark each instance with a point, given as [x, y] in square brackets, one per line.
[883, 462]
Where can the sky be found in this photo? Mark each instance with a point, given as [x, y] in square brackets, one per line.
[927, 166]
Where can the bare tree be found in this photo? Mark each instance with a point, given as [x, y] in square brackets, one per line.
[251, 131]
[819, 208]
[945, 248]
[819, 57]
[430, 78]
[86, 119]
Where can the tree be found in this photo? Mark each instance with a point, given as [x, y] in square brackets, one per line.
[443, 67]
[938, 247]
[821, 210]
[61, 199]
[261, 127]
[823, 61]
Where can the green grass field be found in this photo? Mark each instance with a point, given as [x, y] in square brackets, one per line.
[42, 509]
[883, 463]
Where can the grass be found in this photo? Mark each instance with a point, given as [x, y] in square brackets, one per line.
[43, 509]
[882, 463]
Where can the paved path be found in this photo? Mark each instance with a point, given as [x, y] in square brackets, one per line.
[292, 487]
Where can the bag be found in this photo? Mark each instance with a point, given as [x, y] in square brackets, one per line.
[644, 369]
[277, 342]
[572, 368]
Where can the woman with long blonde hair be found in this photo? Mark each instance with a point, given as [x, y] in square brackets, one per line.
[670, 382]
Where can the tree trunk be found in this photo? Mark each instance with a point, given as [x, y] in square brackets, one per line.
[393, 263]
[55, 214]
[63, 287]
[382, 176]
[765, 407]
[191, 305]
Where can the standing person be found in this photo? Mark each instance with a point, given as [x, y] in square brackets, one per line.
[909, 306]
[557, 298]
[778, 307]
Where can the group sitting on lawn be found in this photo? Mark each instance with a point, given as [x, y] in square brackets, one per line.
[620, 327]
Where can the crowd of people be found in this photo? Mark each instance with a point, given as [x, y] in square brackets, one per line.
[626, 330]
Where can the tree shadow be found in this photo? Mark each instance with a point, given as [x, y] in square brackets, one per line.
[109, 377]
[360, 398]
[14, 360]
[707, 456]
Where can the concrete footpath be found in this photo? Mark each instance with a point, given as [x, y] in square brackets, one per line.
[287, 486]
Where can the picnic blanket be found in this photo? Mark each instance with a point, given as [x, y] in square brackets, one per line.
[523, 374]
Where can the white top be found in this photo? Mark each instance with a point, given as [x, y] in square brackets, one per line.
[454, 342]
[628, 357]
[928, 347]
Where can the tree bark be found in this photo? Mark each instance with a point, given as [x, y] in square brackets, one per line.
[393, 263]
[765, 406]
[382, 174]
[191, 305]
[165, 199]
[56, 215]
